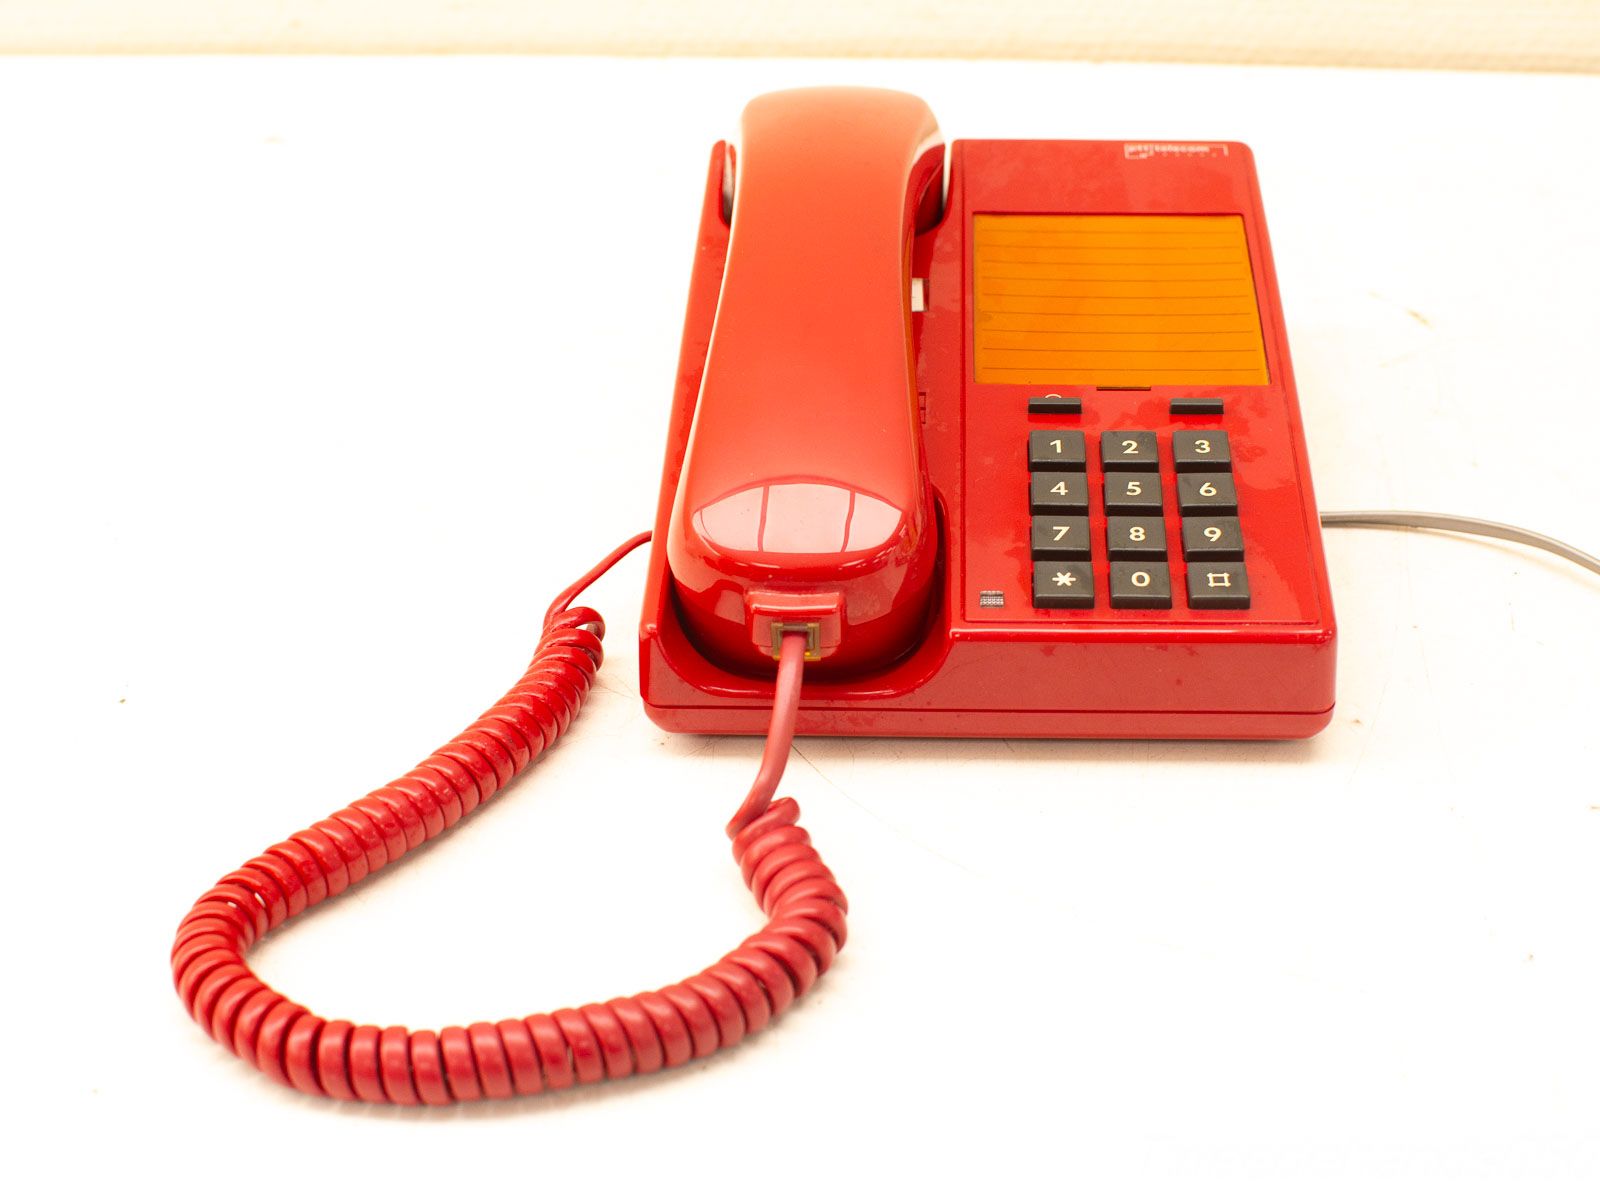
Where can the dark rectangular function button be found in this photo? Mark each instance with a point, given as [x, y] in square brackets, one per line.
[1128, 450]
[1210, 494]
[1061, 538]
[1140, 585]
[1131, 493]
[1071, 406]
[1196, 406]
[1212, 539]
[1218, 585]
[1062, 585]
[1136, 538]
[1200, 450]
[1058, 492]
[1056, 450]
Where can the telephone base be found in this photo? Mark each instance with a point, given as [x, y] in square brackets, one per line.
[1129, 543]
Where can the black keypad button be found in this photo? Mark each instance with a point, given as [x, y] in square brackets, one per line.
[1061, 538]
[1056, 450]
[1140, 585]
[1142, 539]
[1201, 450]
[1071, 406]
[1133, 494]
[1196, 406]
[1207, 494]
[1128, 450]
[1212, 539]
[1218, 585]
[1062, 585]
[1058, 492]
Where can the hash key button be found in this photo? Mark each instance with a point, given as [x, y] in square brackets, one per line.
[1207, 494]
[1218, 585]
[1212, 539]
[1200, 450]
[1062, 585]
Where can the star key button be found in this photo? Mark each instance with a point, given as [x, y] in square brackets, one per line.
[1062, 585]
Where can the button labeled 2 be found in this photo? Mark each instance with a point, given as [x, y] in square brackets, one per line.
[1128, 449]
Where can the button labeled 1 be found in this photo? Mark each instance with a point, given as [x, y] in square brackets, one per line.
[1056, 450]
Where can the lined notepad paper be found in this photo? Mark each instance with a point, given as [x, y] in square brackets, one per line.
[1111, 301]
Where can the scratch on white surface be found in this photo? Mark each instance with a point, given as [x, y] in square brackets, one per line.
[601, 685]
[889, 825]
[1399, 358]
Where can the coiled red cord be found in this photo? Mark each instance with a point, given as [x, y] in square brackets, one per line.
[639, 1034]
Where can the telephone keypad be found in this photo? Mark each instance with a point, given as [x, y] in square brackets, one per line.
[1140, 585]
[1138, 574]
[1063, 585]
[1061, 538]
[1201, 450]
[1207, 494]
[1058, 492]
[1133, 494]
[1136, 539]
[1212, 539]
[1219, 585]
[1056, 450]
[1128, 449]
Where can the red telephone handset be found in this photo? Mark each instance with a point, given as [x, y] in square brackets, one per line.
[804, 500]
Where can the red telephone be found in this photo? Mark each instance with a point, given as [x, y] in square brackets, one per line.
[1020, 459]
[1028, 462]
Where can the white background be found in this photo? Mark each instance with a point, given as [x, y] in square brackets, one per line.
[1536, 35]
[321, 377]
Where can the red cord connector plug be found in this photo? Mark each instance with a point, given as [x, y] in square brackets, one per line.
[774, 615]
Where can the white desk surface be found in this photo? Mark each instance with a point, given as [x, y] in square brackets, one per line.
[322, 376]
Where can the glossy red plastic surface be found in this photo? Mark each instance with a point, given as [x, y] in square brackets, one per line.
[803, 474]
[1012, 670]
